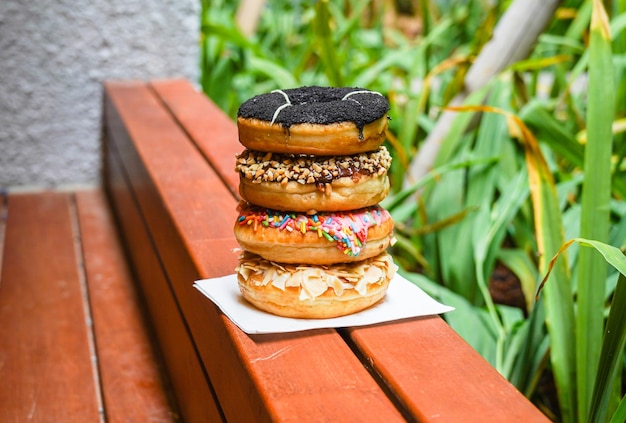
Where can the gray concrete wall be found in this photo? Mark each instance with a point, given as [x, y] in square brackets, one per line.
[54, 56]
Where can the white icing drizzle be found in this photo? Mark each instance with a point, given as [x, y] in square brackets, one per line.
[345, 97]
[287, 104]
[284, 95]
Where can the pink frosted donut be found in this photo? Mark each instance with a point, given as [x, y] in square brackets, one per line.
[320, 238]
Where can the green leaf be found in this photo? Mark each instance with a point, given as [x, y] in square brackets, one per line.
[610, 357]
[552, 132]
[611, 254]
[326, 48]
[394, 200]
[485, 244]
[595, 213]
[280, 75]
[559, 303]
[614, 338]
[620, 413]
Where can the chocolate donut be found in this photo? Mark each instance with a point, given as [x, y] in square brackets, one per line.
[314, 120]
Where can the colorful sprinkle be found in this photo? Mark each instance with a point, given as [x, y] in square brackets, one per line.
[348, 230]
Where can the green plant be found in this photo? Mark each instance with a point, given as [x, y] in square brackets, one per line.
[613, 337]
[525, 165]
[571, 302]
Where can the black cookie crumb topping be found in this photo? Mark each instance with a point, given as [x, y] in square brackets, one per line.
[316, 105]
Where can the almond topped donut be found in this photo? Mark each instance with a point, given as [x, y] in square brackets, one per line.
[313, 183]
[321, 238]
[314, 120]
[314, 292]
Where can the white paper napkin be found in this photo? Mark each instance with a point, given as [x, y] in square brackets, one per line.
[403, 300]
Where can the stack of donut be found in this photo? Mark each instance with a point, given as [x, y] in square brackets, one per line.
[312, 233]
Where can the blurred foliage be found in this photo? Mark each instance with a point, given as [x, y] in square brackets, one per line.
[507, 188]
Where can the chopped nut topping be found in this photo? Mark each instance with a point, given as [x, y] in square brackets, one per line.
[272, 167]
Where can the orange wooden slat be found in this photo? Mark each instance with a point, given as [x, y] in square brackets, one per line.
[132, 386]
[438, 376]
[373, 342]
[46, 371]
[310, 376]
[196, 400]
[205, 123]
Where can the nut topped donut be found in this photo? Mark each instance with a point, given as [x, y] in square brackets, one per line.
[314, 292]
[319, 183]
[314, 120]
[321, 238]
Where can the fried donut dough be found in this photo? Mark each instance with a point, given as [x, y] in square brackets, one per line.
[318, 183]
[323, 238]
[314, 292]
[314, 120]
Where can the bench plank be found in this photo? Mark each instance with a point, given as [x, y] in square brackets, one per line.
[195, 397]
[132, 383]
[45, 358]
[279, 375]
[438, 376]
[403, 354]
[182, 101]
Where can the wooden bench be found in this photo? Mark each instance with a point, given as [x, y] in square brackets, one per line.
[74, 342]
[169, 171]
